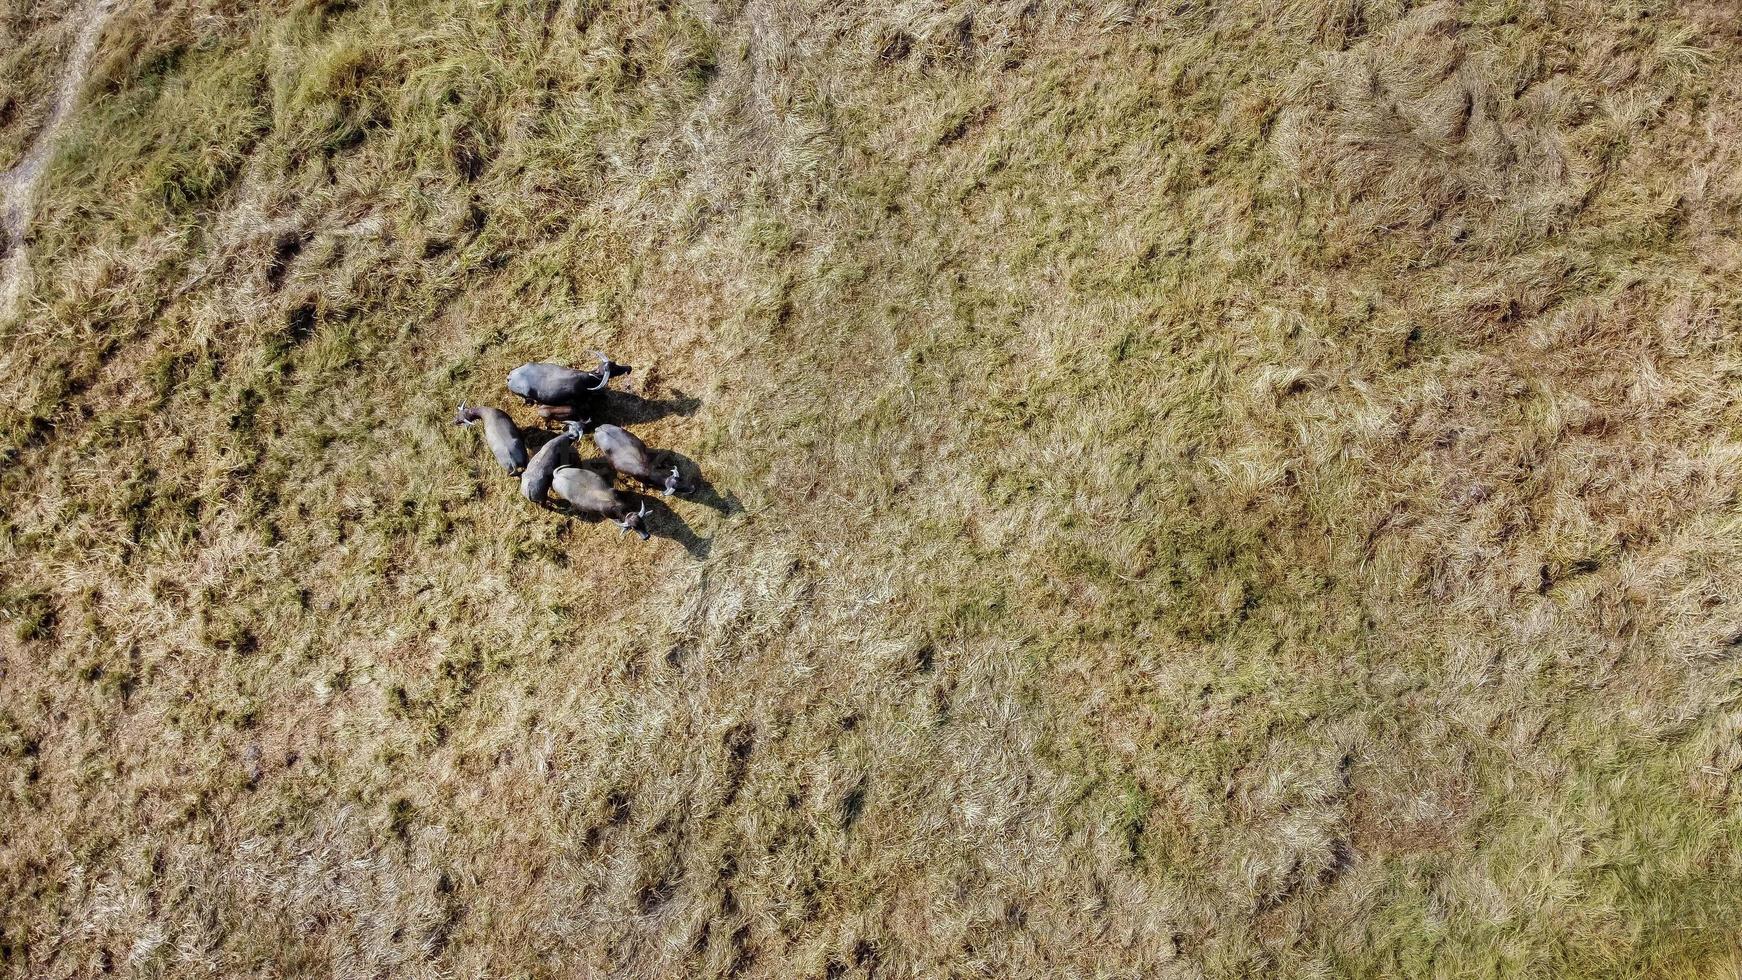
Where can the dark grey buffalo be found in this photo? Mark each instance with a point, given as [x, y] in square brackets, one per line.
[535, 482]
[554, 384]
[589, 493]
[500, 433]
[631, 457]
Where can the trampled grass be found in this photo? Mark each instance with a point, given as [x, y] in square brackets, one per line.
[1194, 490]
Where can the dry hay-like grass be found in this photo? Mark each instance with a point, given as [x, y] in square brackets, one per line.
[1204, 490]
[33, 38]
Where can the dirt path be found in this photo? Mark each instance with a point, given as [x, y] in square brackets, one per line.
[18, 185]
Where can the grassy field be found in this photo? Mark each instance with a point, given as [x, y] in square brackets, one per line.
[1194, 490]
[33, 40]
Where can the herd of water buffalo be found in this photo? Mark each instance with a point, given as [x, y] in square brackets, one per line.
[552, 474]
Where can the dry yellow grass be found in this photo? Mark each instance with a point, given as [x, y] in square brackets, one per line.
[1197, 490]
[33, 41]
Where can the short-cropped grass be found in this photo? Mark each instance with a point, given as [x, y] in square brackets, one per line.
[1193, 489]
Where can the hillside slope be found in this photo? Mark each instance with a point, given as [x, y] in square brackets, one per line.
[1194, 490]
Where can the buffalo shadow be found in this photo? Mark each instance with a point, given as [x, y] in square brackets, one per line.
[626, 408]
[663, 522]
[620, 408]
[698, 489]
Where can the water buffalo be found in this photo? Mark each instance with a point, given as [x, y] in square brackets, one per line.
[631, 457]
[500, 433]
[589, 493]
[554, 384]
